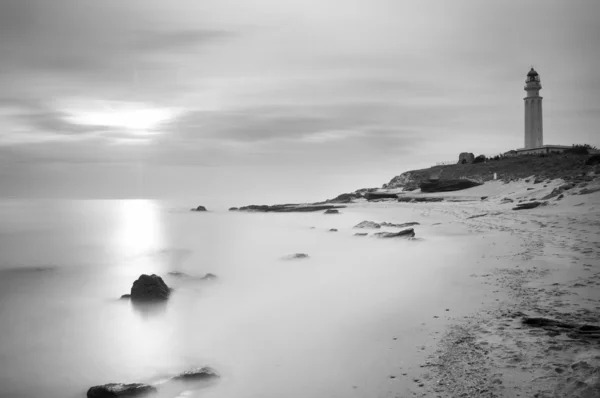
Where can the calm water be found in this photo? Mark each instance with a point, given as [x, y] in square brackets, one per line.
[306, 328]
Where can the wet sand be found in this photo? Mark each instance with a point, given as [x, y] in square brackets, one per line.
[542, 262]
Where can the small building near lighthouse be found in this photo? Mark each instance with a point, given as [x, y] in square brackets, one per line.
[534, 127]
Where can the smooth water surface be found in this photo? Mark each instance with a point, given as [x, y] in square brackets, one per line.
[271, 327]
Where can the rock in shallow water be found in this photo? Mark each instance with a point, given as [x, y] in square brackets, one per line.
[203, 373]
[332, 211]
[199, 208]
[150, 288]
[367, 224]
[120, 390]
[406, 233]
[296, 256]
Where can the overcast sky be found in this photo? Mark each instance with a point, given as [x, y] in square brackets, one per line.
[262, 101]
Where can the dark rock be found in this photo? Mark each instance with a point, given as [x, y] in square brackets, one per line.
[484, 197]
[506, 200]
[559, 197]
[204, 373]
[361, 234]
[332, 211]
[126, 297]
[150, 288]
[529, 189]
[538, 180]
[419, 199]
[447, 185]
[120, 390]
[333, 230]
[367, 224]
[233, 209]
[477, 215]
[380, 195]
[529, 205]
[288, 208]
[406, 224]
[407, 233]
[199, 208]
[346, 197]
[296, 256]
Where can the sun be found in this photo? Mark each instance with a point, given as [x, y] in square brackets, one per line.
[134, 117]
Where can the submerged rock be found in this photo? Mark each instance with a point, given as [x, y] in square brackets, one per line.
[120, 390]
[199, 208]
[178, 274]
[209, 276]
[203, 373]
[367, 224]
[233, 209]
[150, 288]
[361, 234]
[296, 256]
[332, 211]
[406, 233]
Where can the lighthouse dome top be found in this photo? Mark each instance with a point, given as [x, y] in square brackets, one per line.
[532, 76]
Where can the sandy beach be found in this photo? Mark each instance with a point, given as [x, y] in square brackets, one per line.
[541, 262]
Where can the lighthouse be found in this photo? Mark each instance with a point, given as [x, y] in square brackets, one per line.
[534, 132]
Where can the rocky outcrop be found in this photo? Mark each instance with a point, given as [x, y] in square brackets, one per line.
[203, 373]
[367, 224]
[370, 196]
[332, 211]
[233, 209]
[288, 208]
[150, 288]
[408, 181]
[447, 185]
[506, 200]
[406, 233]
[529, 205]
[406, 224]
[199, 208]
[419, 199]
[466, 157]
[346, 197]
[113, 390]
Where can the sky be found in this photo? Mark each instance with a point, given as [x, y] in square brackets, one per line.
[268, 101]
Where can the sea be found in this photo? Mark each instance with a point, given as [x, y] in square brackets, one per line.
[335, 324]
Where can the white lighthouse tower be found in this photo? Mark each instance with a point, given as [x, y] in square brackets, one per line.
[534, 132]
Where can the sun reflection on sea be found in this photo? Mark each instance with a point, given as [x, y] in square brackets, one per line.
[139, 227]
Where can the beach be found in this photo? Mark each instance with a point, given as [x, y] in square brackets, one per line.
[436, 315]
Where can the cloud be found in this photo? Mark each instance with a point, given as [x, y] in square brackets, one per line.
[182, 40]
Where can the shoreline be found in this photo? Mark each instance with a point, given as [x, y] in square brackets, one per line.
[554, 273]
